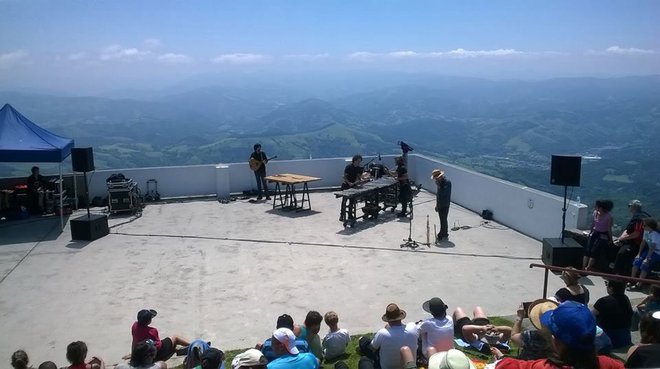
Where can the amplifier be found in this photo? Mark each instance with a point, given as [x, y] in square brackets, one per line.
[89, 229]
[562, 255]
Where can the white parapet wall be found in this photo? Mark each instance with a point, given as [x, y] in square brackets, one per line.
[532, 212]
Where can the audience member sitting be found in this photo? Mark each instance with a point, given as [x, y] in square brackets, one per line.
[573, 330]
[141, 331]
[76, 353]
[601, 233]
[142, 357]
[283, 321]
[573, 291]
[649, 305]
[310, 332]
[614, 314]
[250, 359]
[646, 354]
[20, 360]
[389, 340]
[438, 331]
[628, 242]
[212, 359]
[534, 343]
[47, 365]
[288, 356]
[336, 341]
[649, 250]
[450, 359]
[472, 331]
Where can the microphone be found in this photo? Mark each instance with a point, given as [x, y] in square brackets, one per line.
[379, 159]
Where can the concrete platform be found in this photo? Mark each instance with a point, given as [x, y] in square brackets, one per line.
[224, 272]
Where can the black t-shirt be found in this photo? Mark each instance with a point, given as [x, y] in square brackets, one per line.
[352, 173]
[402, 172]
[34, 183]
[261, 156]
[614, 312]
[565, 295]
[646, 356]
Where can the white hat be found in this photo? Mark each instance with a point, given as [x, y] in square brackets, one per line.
[452, 359]
[287, 338]
[251, 357]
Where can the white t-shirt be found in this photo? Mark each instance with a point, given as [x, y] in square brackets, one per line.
[438, 333]
[390, 340]
[653, 237]
[334, 343]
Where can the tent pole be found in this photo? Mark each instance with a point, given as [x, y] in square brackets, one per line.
[61, 200]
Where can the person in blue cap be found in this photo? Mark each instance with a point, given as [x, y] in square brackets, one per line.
[573, 330]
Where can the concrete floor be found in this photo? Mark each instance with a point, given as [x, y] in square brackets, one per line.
[224, 272]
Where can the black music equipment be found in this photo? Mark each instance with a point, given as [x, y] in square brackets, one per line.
[404, 147]
[562, 253]
[565, 170]
[90, 227]
[374, 193]
[82, 159]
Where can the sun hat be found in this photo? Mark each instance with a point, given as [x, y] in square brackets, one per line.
[434, 306]
[437, 173]
[573, 324]
[538, 308]
[452, 359]
[251, 357]
[393, 313]
[286, 337]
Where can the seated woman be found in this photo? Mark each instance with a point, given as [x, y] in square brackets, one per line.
[573, 291]
[649, 250]
[646, 354]
[614, 314]
[141, 331]
[649, 305]
[142, 357]
[76, 353]
[472, 331]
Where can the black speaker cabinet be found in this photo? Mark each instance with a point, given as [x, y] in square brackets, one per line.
[562, 255]
[565, 170]
[82, 159]
[89, 229]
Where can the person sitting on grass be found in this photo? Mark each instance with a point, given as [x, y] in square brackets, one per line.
[19, 360]
[437, 331]
[141, 331]
[472, 331]
[646, 354]
[142, 357]
[283, 321]
[649, 250]
[288, 356]
[573, 290]
[47, 365]
[573, 330]
[250, 359]
[614, 314]
[310, 332]
[534, 343]
[335, 342]
[384, 349]
[76, 353]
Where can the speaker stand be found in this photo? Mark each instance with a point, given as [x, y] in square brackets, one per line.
[87, 196]
[563, 215]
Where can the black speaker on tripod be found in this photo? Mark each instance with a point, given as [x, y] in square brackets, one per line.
[565, 171]
[87, 227]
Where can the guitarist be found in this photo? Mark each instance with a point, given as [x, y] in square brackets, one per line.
[260, 174]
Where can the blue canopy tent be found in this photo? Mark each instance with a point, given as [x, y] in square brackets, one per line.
[22, 141]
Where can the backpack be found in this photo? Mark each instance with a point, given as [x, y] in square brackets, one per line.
[194, 353]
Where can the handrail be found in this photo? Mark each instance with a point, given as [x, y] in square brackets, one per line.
[584, 272]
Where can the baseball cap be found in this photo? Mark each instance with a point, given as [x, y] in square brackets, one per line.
[452, 359]
[251, 357]
[145, 315]
[286, 337]
[635, 203]
[214, 357]
[573, 324]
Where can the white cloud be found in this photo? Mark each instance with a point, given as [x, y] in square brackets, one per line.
[306, 57]
[77, 56]
[151, 43]
[172, 58]
[628, 51]
[364, 56]
[456, 53]
[240, 58]
[404, 54]
[12, 58]
[477, 53]
[116, 52]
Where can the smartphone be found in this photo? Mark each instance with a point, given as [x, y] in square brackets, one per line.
[526, 308]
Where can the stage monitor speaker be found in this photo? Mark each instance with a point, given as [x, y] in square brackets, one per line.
[82, 159]
[565, 170]
[562, 255]
[89, 228]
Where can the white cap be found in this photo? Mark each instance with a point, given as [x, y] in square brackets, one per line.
[287, 338]
[452, 359]
[251, 357]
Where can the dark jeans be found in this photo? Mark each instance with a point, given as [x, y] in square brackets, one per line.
[369, 359]
[624, 258]
[444, 227]
[405, 195]
[262, 186]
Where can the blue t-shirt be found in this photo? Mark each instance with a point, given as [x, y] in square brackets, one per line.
[300, 361]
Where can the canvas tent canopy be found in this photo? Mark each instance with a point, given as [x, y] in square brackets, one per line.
[22, 141]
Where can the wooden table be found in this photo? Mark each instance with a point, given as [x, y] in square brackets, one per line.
[289, 199]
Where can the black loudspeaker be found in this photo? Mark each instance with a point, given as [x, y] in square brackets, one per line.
[89, 228]
[82, 159]
[562, 255]
[565, 170]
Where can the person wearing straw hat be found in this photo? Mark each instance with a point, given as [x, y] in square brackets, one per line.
[442, 201]
[534, 343]
[389, 340]
[573, 290]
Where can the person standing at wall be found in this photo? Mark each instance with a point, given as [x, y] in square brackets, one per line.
[442, 201]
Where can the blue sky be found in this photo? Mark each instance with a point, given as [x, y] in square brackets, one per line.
[96, 45]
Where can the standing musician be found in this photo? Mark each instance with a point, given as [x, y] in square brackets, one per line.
[36, 184]
[260, 173]
[442, 201]
[352, 177]
[405, 192]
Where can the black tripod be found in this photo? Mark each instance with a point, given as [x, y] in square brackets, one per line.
[410, 243]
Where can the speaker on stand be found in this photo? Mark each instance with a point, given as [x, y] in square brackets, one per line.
[565, 171]
[90, 227]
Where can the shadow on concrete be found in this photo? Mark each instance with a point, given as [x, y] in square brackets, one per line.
[292, 213]
[77, 245]
[445, 245]
[34, 229]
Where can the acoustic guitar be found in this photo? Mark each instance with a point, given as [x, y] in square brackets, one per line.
[255, 164]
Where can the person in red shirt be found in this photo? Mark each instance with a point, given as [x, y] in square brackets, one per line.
[76, 353]
[141, 331]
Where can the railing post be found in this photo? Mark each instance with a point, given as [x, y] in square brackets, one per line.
[545, 284]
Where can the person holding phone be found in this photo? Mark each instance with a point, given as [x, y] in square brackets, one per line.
[534, 343]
